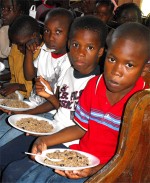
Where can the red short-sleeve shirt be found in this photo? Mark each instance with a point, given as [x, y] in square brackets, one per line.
[100, 119]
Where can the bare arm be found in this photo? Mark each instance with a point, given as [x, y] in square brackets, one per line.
[53, 99]
[12, 87]
[28, 66]
[31, 47]
[43, 108]
[67, 134]
[78, 174]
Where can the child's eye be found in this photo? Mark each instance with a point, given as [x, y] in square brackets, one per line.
[46, 31]
[76, 45]
[111, 59]
[90, 48]
[58, 32]
[129, 65]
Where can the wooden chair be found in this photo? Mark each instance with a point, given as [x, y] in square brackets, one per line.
[131, 163]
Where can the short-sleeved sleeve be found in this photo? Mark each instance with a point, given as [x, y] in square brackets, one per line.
[82, 113]
[64, 67]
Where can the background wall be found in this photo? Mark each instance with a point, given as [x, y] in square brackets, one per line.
[138, 2]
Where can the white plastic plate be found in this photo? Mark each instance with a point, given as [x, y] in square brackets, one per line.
[31, 106]
[94, 161]
[14, 118]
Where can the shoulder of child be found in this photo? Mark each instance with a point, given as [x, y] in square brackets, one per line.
[93, 82]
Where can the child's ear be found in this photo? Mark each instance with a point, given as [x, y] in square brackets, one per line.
[146, 69]
[101, 51]
[34, 35]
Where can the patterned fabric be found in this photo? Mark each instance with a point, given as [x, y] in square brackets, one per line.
[51, 69]
[70, 90]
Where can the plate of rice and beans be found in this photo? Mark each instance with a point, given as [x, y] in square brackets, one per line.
[69, 159]
[13, 96]
[33, 124]
[16, 105]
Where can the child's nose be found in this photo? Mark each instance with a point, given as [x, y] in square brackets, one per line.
[117, 70]
[82, 51]
[51, 36]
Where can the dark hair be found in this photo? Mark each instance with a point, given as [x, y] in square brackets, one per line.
[107, 3]
[134, 31]
[24, 25]
[92, 23]
[147, 20]
[24, 5]
[127, 6]
[60, 12]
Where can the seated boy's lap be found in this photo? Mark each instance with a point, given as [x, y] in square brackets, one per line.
[40, 173]
[4, 126]
[26, 163]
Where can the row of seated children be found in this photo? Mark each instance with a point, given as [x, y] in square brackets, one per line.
[52, 66]
[87, 7]
[107, 10]
[104, 10]
[17, 78]
[127, 12]
[99, 112]
[11, 10]
[52, 20]
[85, 63]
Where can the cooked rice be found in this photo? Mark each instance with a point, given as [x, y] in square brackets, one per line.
[14, 104]
[69, 159]
[34, 125]
[13, 96]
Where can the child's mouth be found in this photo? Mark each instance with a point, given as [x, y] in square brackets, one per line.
[113, 83]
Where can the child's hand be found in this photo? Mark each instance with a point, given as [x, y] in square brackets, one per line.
[38, 146]
[10, 112]
[78, 174]
[75, 174]
[8, 89]
[5, 111]
[40, 88]
[28, 134]
[32, 45]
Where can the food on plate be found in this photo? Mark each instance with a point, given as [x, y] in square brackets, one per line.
[14, 104]
[34, 125]
[13, 96]
[68, 159]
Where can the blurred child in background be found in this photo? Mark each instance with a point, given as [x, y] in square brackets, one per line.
[104, 10]
[128, 12]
